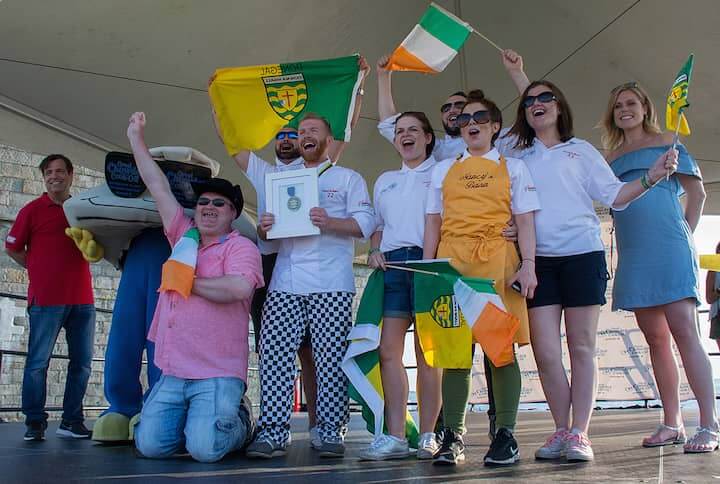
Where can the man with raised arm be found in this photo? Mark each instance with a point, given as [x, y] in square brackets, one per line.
[200, 327]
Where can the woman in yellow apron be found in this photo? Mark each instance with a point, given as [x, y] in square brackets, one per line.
[471, 199]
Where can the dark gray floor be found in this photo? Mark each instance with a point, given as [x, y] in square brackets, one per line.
[615, 434]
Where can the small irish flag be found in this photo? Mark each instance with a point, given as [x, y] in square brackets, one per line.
[178, 271]
[432, 44]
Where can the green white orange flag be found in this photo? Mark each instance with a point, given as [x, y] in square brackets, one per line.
[432, 44]
[178, 271]
[362, 360]
[677, 100]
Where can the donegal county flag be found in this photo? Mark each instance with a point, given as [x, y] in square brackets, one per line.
[253, 103]
[444, 336]
[178, 271]
[432, 44]
[361, 363]
[677, 100]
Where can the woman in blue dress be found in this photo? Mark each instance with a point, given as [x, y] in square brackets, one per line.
[657, 273]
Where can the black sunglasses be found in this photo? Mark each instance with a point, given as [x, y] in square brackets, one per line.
[543, 97]
[217, 202]
[447, 106]
[286, 134]
[480, 117]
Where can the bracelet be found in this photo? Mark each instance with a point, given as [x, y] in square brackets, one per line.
[644, 182]
[373, 251]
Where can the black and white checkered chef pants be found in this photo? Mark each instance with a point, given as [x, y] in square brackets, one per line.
[285, 319]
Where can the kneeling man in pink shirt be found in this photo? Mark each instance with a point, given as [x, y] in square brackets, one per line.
[201, 337]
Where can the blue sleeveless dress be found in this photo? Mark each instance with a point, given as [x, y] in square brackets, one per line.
[657, 261]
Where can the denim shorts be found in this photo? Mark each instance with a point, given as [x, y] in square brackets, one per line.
[399, 299]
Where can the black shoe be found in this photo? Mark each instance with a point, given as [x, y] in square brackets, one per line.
[76, 430]
[452, 450]
[35, 432]
[503, 450]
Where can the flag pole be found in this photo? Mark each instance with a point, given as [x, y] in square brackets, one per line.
[409, 269]
[489, 41]
[676, 138]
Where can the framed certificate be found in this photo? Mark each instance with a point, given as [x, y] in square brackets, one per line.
[289, 196]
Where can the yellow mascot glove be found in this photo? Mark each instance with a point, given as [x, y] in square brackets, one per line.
[86, 244]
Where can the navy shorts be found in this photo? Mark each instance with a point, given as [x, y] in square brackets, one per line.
[399, 299]
[570, 281]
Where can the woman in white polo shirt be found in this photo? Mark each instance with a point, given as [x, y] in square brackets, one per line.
[399, 200]
[572, 276]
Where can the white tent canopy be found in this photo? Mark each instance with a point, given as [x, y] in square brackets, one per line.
[73, 71]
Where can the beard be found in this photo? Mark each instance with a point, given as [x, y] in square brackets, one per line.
[287, 155]
[453, 131]
[315, 155]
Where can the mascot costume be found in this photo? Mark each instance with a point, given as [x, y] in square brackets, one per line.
[118, 221]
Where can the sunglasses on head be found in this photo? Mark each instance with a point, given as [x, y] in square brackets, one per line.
[543, 97]
[447, 106]
[286, 134]
[627, 85]
[480, 117]
[217, 202]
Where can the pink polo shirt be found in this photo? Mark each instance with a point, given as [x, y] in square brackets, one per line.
[196, 338]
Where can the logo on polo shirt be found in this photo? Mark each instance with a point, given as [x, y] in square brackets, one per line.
[392, 186]
[571, 154]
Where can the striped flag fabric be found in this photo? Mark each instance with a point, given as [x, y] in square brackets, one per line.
[178, 271]
[361, 363]
[432, 44]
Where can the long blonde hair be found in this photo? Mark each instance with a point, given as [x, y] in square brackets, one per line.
[612, 136]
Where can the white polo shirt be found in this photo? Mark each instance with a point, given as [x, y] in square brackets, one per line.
[323, 263]
[569, 177]
[523, 198]
[399, 198]
[256, 171]
[447, 147]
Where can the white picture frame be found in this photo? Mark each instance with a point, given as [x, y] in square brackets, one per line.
[289, 197]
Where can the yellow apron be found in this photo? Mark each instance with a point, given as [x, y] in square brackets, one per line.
[476, 208]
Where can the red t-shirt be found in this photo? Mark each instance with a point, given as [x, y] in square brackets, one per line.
[58, 272]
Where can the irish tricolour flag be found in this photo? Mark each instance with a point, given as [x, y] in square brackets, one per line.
[178, 271]
[432, 44]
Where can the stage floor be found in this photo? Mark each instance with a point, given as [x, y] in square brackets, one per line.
[616, 435]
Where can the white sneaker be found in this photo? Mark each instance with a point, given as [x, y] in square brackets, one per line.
[315, 440]
[428, 446]
[386, 447]
[554, 446]
[578, 448]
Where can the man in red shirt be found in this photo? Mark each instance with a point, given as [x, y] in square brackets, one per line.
[59, 296]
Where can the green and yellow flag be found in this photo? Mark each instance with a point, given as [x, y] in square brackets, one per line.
[253, 103]
[362, 360]
[677, 100]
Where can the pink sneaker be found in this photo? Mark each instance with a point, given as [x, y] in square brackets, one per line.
[577, 448]
[554, 446]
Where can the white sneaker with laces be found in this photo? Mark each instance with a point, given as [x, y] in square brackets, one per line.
[386, 447]
[428, 446]
[578, 448]
[554, 446]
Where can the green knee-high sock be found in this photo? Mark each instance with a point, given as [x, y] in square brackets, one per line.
[506, 392]
[455, 395]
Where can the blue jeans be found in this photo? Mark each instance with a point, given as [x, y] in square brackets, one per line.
[45, 323]
[205, 415]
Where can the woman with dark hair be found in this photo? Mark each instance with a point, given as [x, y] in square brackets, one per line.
[471, 199]
[569, 174]
[399, 200]
[657, 272]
